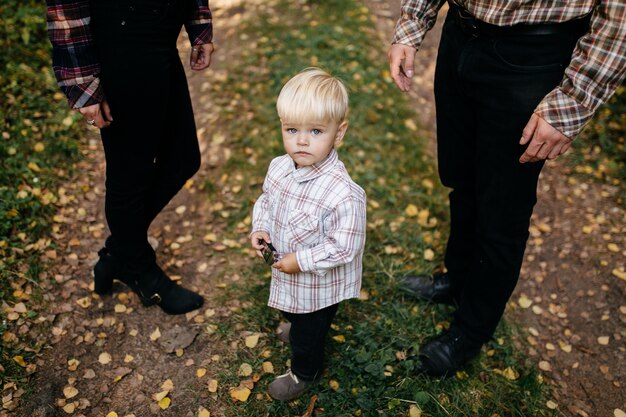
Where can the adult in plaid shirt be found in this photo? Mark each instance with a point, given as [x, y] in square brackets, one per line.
[118, 64]
[535, 70]
[314, 215]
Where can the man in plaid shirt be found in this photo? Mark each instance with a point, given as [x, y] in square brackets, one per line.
[535, 70]
[314, 215]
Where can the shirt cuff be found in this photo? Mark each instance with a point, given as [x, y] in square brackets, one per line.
[409, 32]
[83, 95]
[308, 257]
[563, 113]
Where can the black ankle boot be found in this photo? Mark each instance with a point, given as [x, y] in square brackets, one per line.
[152, 286]
[107, 269]
[155, 287]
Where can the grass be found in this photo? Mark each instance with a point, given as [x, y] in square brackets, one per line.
[37, 149]
[407, 214]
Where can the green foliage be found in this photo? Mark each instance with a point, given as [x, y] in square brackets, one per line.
[37, 148]
[602, 142]
[385, 155]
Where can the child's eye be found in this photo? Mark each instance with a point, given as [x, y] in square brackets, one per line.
[316, 131]
[291, 130]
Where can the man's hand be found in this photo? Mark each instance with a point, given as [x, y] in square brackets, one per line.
[98, 115]
[546, 142]
[201, 56]
[288, 264]
[401, 58]
[256, 238]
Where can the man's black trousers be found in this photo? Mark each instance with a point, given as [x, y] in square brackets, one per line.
[486, 88]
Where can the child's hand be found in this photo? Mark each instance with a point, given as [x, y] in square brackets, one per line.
[288, 264]
[256, 240]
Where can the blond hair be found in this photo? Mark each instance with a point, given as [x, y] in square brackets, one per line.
[313, 95]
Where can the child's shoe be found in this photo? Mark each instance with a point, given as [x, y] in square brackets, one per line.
[287, 387]
[282, 332]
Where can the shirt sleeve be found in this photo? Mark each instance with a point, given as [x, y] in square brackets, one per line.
[417, 17]
[343, 241]
[597, 68]
[74, 58]
[199, 25]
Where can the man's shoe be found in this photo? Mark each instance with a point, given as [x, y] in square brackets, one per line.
[436, 289]
[448, 353]
[282, 332]
[287, 387]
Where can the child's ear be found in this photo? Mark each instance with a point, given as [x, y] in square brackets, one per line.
[341, 131]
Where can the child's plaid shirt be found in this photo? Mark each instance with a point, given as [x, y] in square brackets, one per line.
[318, 213]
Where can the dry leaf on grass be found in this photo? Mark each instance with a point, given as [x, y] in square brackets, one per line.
[240, 393]
[213, 385]
[252, 341]
[245, 370]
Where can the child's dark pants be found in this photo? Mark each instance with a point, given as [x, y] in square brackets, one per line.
[307, 336]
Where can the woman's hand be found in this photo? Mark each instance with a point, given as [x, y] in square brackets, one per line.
[288, 264]
[98, 115]
[201, 56]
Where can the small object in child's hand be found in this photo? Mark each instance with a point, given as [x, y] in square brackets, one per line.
[269, 252]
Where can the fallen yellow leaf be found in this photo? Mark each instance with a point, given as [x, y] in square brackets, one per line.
[268, 367]
[156, 334]
[104, 358]
[20, 361]
[164, 403]
[334, 385]
[612, 247]
[70, 392]
[168, 385]
[200, 372]
[203, 412]
[213, 385]
[245, 370]
[84, 302]
[524, 301]
[411, 210]
[240, 393]
[620, 273]
[603, 340]
[252, 341]
[414, 411]
[160, 395]
[339, 338]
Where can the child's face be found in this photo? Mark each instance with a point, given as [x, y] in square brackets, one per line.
[311, 142]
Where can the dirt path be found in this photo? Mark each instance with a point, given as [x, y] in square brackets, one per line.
[570, 302]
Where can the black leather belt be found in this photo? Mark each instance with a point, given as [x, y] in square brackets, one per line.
[477, 27]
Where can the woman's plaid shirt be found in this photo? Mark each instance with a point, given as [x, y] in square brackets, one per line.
[598, 64]
[74, 59]
[318, 213]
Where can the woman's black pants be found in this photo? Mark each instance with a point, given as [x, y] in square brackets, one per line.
[151, 146]
[486, 88]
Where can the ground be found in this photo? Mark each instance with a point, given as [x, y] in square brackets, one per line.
[115, 353]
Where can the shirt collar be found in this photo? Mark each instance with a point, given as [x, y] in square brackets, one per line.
[313, 171]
